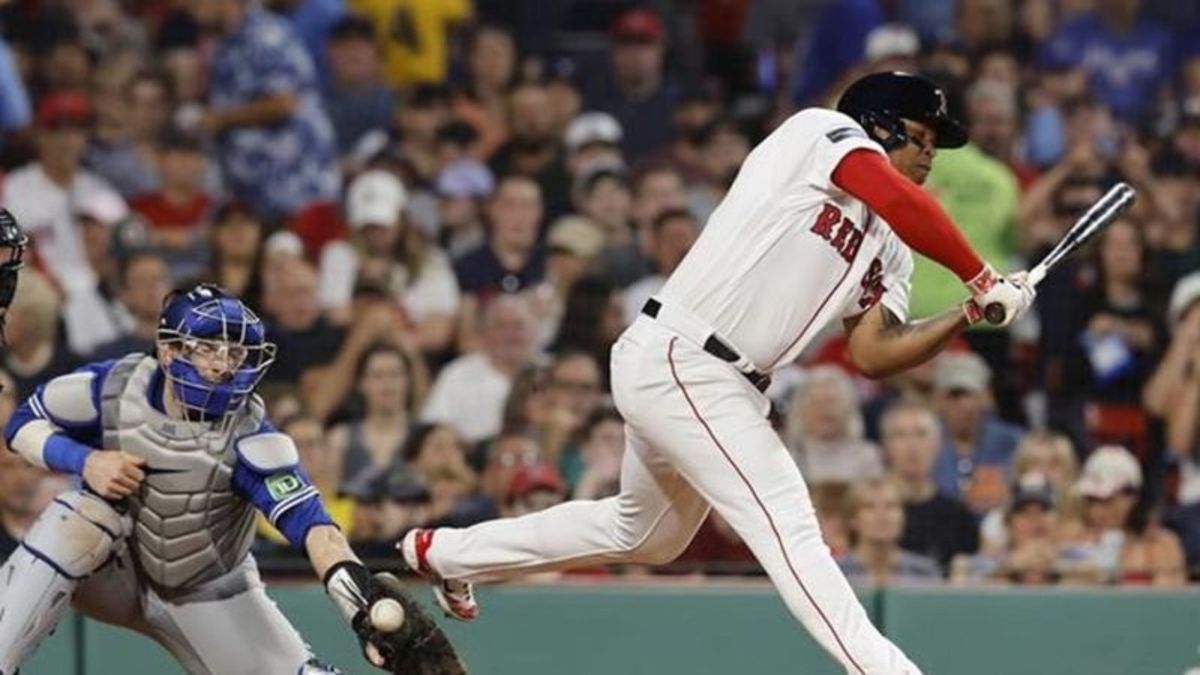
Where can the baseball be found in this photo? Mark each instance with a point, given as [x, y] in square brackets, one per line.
[387, 615]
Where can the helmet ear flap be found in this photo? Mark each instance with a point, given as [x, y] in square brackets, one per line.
[897, 134]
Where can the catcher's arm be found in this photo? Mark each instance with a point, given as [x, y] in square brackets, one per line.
[416, 647]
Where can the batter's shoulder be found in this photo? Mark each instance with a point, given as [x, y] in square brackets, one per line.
[827, 122]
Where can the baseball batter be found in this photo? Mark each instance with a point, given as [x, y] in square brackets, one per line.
[158, 539]
[816, 228]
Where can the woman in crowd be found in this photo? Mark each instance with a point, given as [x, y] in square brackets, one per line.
[825, 430]
[876, 521]
[387, 251]
[370, 444]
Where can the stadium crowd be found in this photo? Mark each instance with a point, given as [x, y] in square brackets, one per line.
[448, 211]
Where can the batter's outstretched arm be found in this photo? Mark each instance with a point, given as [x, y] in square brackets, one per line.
[882, 345]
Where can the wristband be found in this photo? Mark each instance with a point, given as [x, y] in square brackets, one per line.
[65, 454]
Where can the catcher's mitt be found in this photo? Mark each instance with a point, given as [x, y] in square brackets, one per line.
[419, 647]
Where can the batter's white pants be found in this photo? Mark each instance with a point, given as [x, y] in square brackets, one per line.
[696, 435]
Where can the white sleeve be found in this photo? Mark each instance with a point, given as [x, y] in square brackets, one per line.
[338, 268]
[897, 278]
[435, 291]
[831, 136]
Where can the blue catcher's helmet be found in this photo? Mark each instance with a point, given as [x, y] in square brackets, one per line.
[221, 350]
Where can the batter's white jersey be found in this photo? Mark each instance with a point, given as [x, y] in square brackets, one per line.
[787, 251]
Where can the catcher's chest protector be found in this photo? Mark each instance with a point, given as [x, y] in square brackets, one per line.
[188, 525]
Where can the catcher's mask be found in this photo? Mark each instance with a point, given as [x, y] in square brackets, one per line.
[17, 242]
[218, 349]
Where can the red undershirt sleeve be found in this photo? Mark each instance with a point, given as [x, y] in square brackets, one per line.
[913, 214]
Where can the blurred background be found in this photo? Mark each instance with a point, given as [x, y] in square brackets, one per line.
[448, 210]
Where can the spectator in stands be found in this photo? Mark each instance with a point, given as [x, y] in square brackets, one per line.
[671, 237]
[1051, 456]
[304, 337]
[180, 209]
[534, 148]
[723, 148]
[694, 113]
[236, 243]
[419, 115]
[387, 251]
[592, 138]
[40, 194]
[34, 352]
[601, 448]
[506, 455]
[274, 140]
[1028, 555]
[637, 92]
[417, 53]
[92, 315]
[132, 113]
[934, 525]
[533, 489]
[656, 188]
[824, 430]
[462, 189]
[913, 385]
[1173, 392]
[491, 60]
[1114, 541]
[592, 320]
[573, 392]
[572, 246]
[387, 508]
[144, 283]
[975, 461]
[470, 391]
[602, 195]
[431, 448]
[1118, 322]
[16, 113]
[374, 440]
[876, 520]
[18, 481]
[327, 380]
[510, 260]
[1127, 59]
[358, 98]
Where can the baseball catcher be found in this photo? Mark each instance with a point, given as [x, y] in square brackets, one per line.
[16, 241]
[175, 453]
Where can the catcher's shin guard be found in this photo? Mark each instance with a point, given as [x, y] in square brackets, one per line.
[72, 538]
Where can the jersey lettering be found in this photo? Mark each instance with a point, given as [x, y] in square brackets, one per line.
[846, 240]
[872, 285]
[828, 217]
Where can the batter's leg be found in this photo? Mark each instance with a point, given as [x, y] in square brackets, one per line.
[651, 521]
[712, 427]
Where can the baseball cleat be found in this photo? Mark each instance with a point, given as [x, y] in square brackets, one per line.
[456, 598]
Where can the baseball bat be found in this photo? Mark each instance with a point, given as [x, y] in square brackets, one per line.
[1095, 219]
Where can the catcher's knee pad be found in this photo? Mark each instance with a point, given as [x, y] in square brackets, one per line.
[72, 538]
[76, 534]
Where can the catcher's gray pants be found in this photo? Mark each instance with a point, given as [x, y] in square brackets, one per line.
[76, 552]
[225, 627]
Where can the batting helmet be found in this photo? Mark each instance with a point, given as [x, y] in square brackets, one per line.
[882, 100]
